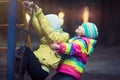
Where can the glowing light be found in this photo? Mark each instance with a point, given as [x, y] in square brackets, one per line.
[86, 14]
[61, 14]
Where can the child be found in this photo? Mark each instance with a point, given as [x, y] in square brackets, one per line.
[38, 63]
[77, 50]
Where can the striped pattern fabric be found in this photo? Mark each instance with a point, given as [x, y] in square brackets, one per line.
[77, 50]
[91, 30]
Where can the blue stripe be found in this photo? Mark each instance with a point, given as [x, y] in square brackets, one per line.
[76, 60]
[86, 30]
[95, 33]
[70, 45]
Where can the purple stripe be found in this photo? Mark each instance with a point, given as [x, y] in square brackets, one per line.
[81, 60]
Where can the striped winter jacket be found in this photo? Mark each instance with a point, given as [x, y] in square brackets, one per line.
[77, 50]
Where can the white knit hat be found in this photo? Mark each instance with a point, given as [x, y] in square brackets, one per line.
[55, 21]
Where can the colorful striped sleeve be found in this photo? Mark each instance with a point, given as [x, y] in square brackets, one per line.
[91, 47]
[90, 44]
[65, 48]
[76, 47]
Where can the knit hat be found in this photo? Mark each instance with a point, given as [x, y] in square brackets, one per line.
[55, 21]
[91, 30]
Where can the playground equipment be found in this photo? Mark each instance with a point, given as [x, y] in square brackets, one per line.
[12, 37]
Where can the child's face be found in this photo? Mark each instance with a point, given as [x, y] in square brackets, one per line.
[80, 31]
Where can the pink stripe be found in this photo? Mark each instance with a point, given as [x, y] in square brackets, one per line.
[62, 48]
[79, 52]
[84, 55]
[64, 68]
[76, 49]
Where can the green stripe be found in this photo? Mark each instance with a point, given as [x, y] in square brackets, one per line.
[92, 43]
[76, 61]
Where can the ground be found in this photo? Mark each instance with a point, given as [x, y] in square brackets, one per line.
[102, 65]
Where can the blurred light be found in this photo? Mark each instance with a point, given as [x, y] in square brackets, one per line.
[61, 14]
[86, 14]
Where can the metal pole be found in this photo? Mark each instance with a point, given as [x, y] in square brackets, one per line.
[11, 39]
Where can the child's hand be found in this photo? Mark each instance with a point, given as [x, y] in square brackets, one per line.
[28, 6]
[54, 46]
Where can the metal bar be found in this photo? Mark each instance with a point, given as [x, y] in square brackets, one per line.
[11, 39]
[6, 48]
[26, 25]
[4, 1]
[3, 69]
[8, 25]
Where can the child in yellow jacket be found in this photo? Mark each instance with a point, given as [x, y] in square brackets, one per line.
[38, 63]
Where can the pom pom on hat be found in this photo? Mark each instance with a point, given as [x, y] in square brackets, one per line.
[55, 21]
[91, 30]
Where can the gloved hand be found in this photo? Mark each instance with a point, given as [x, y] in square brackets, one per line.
[30, 6]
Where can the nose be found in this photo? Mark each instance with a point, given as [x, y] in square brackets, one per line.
[76, 30]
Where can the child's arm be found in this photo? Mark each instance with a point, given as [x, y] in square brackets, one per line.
[50, 34]
[75, 48]
[30, 8]
[43, 27]
[37, 27]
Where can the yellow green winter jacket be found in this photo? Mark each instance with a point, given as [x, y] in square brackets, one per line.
[47, 57]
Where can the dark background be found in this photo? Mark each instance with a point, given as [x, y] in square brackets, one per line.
[104, 13]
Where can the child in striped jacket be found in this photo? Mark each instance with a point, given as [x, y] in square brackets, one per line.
[77, 50]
